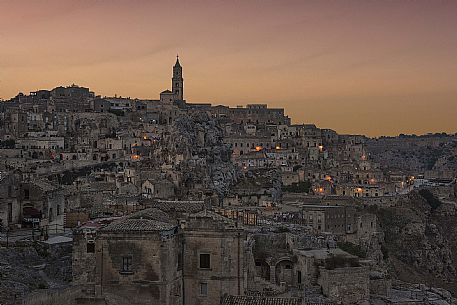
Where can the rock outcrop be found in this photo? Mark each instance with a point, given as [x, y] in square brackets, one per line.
[420, 241]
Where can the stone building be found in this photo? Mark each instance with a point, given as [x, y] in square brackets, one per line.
[348, 285]
[213, 258]
[330, 218]
[71, 99]
[244, 144]
[261, 300]
[296, 261]
[10, 210]
[258, 114]
[177, 82]
[43, 204]
[149, 257]
[84, 257]
[137, 260]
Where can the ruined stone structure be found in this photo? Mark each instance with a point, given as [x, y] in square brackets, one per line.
[345, 285]
[137, 259]
[147, 258]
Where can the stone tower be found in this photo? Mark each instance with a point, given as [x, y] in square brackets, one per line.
[177, 82]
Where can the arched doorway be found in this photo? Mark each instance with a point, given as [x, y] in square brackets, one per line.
[284, 271]
[262, 269]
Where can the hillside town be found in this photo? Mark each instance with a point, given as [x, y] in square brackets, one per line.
[118, 200]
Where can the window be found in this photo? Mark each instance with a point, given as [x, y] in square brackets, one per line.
[204, 289]
[10, 212]
[127, 264]
[180, 262]
[205, 261]
[90, 248]
[288, 266]
[26, 194]
[299, 277]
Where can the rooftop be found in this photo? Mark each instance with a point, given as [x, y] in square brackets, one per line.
[326, 253]
[176, 206]
[259, 300]
[137, 225]
[151, 214]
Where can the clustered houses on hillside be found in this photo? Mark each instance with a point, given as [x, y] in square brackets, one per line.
[183, 203]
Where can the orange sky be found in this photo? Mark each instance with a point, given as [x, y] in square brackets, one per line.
[371, 67]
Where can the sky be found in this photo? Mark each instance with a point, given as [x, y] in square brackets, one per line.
[356, 66]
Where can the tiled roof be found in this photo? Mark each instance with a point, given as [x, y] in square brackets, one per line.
[151, 214]
[137, 225]
[102, 186]
[178, 206]
[45, 186]
[212, 215]
[258, 300]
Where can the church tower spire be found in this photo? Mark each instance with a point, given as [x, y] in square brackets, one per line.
[177, 82]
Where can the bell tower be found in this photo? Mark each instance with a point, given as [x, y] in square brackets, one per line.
[177, 82]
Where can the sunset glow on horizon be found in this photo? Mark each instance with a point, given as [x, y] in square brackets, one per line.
[361, 67]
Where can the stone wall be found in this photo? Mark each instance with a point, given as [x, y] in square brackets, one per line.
[225, 275]
[83, 260]
[346, 285]
[380, 286]
[65, 296]
[153, 278]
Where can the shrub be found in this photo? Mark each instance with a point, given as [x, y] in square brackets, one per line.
[301, 187]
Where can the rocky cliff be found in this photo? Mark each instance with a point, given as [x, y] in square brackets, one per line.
[420, 244]
[200, 138]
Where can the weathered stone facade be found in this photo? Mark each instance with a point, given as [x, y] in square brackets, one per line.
[213, 259]
[345, 285]
[147, 258]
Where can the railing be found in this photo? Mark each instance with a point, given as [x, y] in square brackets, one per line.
[9, 237]
[55, 228]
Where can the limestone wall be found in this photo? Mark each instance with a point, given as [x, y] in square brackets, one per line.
[152, 278]
[347, 285]
[53, 297]
[226, 272]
